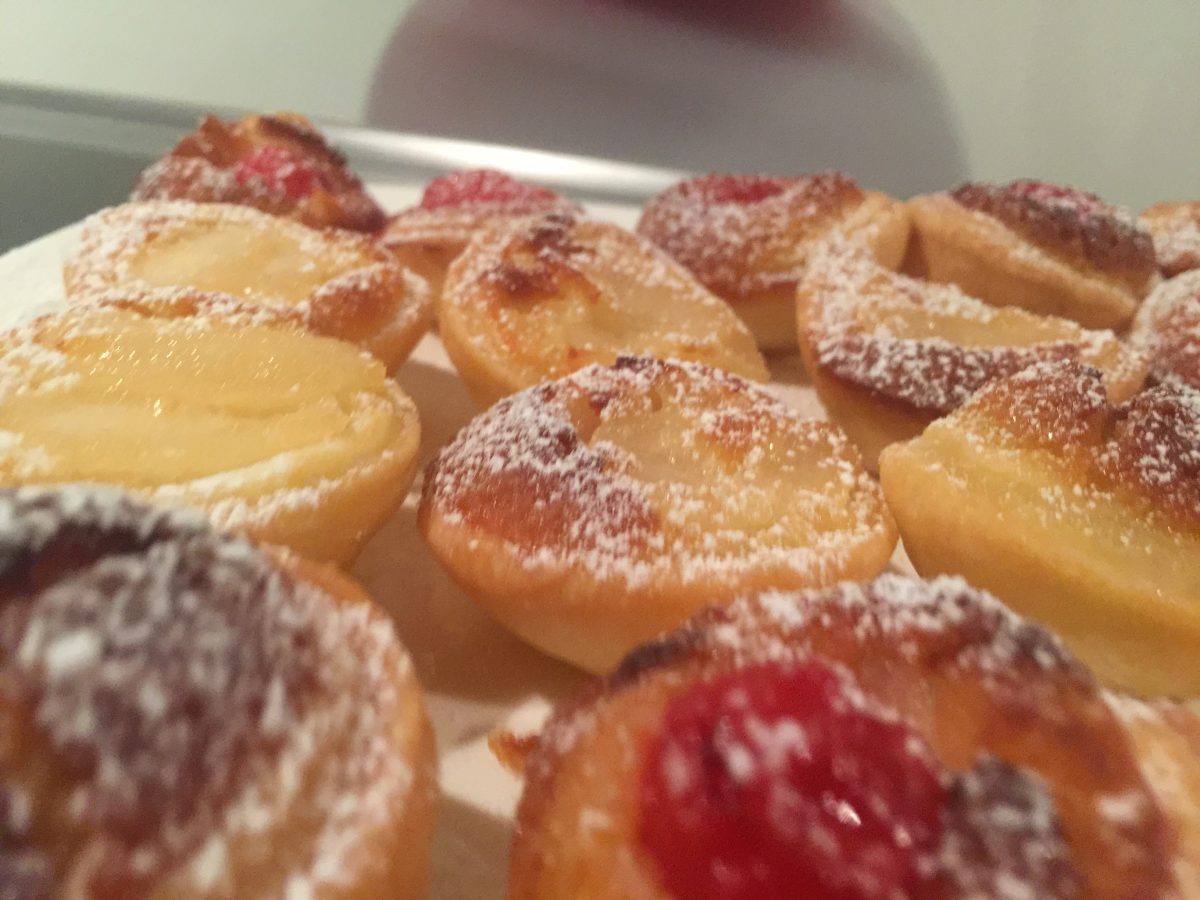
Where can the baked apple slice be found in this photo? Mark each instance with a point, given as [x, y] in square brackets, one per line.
[342, 284]
[1175, 228]
[541, 297]
[289, 437]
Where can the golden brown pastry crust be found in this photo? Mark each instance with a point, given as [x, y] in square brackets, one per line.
[1167, 330]
[970, 676]
[187, 715]
[323, 497]
[1175, 228]
[342, 285]
[747, 238]
[1075, 512]
[542, 297]
[593, 512]
[1052, 251]
[888, 354]
[203, 167]
[427, 240]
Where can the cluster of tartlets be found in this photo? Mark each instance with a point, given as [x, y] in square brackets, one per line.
[197, 702]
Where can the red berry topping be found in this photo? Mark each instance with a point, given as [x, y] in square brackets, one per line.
[738, 189]
[1056, 195]
[474, 187]
[777, 781]
[280, 169]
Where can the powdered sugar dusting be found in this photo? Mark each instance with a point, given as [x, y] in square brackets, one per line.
[170, 671]
[878, 330]
[651, 470]
[744, 233]
[1175, 228]
[1168, 329]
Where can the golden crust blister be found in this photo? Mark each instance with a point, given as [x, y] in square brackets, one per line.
[747, 238]
[1079, 514]
[888, 354]
[185, 714]
[287, 436]
[542, 297]
[592, 512]
[341, 284]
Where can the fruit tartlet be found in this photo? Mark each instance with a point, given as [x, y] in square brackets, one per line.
[896, 739]
[1052, 250]
[596, 511]
[1077, 513]
[1167, 330]
[280, 164]
[747, 237]
[186, 715]
[342, 284]
[888, 354]
[289, 437]
[1175, 228]
[541, 297]
[453, 209]
[1166, 738]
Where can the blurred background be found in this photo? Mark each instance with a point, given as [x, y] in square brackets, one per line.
[906, 95]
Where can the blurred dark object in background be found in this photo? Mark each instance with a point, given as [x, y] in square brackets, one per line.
[763, 85]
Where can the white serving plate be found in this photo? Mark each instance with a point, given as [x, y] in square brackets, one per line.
[475, 674]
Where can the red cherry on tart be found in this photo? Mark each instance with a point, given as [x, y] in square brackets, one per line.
[747, 237]
[893, 739]
[454, 208]
[279, 169]
[279, 164]
[485, 187]
[1050, 249]
[778, 777]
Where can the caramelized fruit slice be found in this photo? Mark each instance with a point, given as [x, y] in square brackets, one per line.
[541, 298]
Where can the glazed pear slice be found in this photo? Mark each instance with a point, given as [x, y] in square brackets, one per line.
[537, 299]
[294, 438]
[341, 284]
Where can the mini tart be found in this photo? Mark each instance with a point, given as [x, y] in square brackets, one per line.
[427, 237]
[186, 715]
[1077, 513]
[888, 354]
[1167, 329]
[1051, 250]
[292, 438]
[593, 512]
[1166, 738]
[341, 284]
[747, 237]
[539, 298]
[1175, 228]
[280, 164]
[1043, 792]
